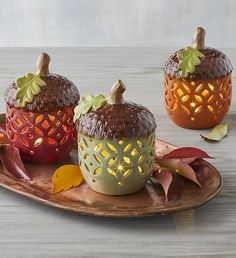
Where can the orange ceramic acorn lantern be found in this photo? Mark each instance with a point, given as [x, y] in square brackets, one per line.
[198, 85]
[39, 119]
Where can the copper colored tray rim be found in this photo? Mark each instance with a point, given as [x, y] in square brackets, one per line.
[143, 213]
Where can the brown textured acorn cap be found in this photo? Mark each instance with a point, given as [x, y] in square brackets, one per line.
[59, 92]
[214, 65]
[118, 119]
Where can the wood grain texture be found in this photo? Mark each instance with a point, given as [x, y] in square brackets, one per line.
[28, 229]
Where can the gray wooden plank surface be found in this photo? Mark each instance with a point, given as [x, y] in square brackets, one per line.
[29, 229]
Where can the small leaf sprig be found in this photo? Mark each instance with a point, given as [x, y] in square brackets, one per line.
[190, 57]
[31, 84]
[88, 103]
[27, 87]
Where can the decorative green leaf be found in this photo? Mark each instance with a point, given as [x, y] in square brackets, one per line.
[98, 101]
[87, 103]
[27, 87]
[87, 98]
[217, 133]
[188, 58]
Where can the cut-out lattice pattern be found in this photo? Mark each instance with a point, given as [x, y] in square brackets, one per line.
[116, 166]
[197, 104]
[41, 137]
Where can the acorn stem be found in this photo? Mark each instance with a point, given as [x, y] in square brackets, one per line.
[199, 38]
[43, 64]
[116, 93]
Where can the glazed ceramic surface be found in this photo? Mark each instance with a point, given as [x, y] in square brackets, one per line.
[116, 167]
[197, 104]
[41, 138]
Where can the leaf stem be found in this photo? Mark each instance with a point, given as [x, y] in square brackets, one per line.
[116, 93]
[199, 38]
[43, 64]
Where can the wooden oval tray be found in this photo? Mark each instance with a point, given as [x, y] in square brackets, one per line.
[147, 202]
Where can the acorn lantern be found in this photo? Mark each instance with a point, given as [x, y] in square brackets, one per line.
[39, 118]
[115, 142]
[198, 85]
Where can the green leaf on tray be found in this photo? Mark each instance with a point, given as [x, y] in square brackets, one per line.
[87, 103]
[188, 58]
[217, 133]
[27, 87]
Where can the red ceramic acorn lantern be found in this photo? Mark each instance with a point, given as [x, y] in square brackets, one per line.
[39, 118]
[198, 85]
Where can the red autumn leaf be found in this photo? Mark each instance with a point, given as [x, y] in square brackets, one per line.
[176, 163]
[10, 158]
[188, 160]
[179, 167]
[165, 179]
[175, 189]
[170, 183]
[186, 153]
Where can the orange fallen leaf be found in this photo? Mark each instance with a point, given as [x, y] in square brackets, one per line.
[66, 177]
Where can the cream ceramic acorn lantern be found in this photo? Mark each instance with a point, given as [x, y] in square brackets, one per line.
[198, 85]
[115, 142]
[39, 118]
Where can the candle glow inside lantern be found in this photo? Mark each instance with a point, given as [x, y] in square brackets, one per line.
[39, 118]
[116, 144]
[197, 85]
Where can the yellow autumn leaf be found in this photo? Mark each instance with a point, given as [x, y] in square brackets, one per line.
[66, 177]
[217, 133]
